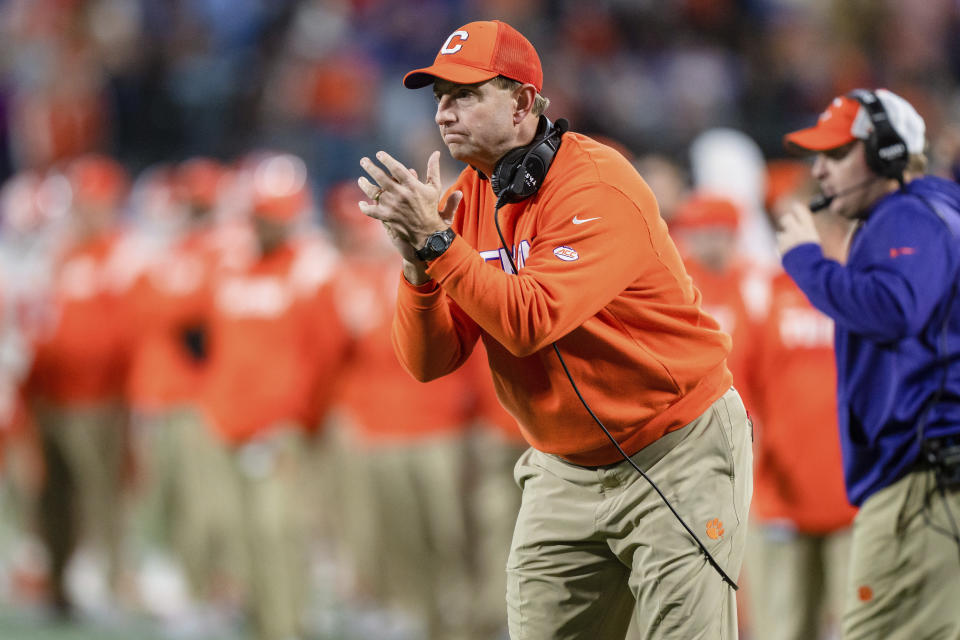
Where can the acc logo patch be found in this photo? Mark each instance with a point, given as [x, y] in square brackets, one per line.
[567, 254]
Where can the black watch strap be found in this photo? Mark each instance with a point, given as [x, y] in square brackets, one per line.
[436, 244]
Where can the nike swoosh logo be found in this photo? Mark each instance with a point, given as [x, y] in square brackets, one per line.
[577, 220]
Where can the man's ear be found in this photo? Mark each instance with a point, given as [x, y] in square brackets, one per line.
[524, 97]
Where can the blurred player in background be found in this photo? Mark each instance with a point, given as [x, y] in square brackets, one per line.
[706, 228]
[495, 445]
[410, 446]
[75, 388]
[169, 306]
[35, 211]
[274, 343]
[796, 562]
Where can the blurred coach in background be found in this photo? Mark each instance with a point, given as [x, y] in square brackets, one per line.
[897, 347]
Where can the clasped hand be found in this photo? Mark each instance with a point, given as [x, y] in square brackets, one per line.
[407, 207]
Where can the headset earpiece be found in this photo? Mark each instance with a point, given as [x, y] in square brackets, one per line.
[886, 152]
[519, 174]
[505, 173]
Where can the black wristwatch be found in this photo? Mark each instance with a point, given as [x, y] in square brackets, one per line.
[435, 245]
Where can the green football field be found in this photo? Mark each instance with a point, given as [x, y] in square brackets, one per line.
[28, 624]
[22, 625]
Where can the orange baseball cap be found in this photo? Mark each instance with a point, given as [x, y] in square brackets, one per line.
[845, 120]
[834, 128]
[479, 51]
[705, 210]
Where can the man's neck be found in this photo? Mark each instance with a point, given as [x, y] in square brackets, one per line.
[876, 192]
[526, 132]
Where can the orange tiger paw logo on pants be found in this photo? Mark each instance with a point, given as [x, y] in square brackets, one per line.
[715, 529]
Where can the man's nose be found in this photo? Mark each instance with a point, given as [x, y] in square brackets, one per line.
[444, 113]
[819, 169]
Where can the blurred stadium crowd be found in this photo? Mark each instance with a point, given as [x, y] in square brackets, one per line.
[201, 416]
[152, 80]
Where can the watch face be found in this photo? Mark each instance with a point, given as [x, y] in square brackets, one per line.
[435, 245]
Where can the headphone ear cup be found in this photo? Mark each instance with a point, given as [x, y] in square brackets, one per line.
[892, 167]
[520, 172]
[885, 151]
[505, 172]
[872, 157]
[528, 177]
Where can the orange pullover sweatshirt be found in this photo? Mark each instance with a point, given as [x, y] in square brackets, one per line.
[598, 275]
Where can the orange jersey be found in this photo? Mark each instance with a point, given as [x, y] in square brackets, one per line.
[600, 276]
[82, 357]
[274, 336]
[382, 400]
[799, 474]
[723, 299]
[169, 299]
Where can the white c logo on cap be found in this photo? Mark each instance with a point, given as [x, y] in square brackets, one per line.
[463, 35]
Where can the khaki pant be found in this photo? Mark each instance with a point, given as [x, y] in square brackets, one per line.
[157, 470]
[188, 505]
[595, 546]
[272, 529]
[419, 492]
[905, 567]
[165, 442]
[402, 513]
[83, 450]
[795, 582]
[349, 496]
[494, 501]
[205, 503]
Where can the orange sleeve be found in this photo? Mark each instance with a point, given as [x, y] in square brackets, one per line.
[554, 295]
[431, 335]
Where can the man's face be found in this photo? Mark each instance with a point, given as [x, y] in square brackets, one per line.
[475, 121]
[843, 172]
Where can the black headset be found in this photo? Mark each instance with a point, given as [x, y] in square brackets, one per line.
[519, 174]
[886, 151]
